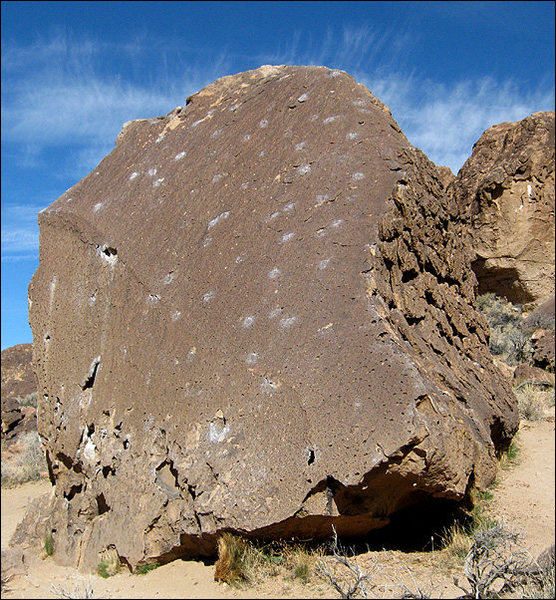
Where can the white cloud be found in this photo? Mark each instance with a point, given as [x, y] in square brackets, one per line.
[446, 120]
[20, 232]
[61, 91]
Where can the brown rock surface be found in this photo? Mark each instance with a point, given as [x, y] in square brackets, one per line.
[541, 323]
[257, 314]
[18, 381]
[507, 187]
[18, 377]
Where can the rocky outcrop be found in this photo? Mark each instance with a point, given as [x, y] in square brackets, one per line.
[257, 315]
[18, 384]
[541, 325]
[507, 189]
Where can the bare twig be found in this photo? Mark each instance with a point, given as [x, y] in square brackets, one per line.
[360, 580]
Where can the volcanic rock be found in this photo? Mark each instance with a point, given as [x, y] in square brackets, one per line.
[507, 189]
[18, 382]
[257, 315]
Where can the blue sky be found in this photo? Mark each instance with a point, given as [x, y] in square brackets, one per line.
[74, 72]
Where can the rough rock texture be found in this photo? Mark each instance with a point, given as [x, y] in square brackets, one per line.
[257, 314]
[507, 187]
[541, 321]
[18, 381]
[525, 373]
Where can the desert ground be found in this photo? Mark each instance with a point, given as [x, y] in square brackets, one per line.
[523, 498]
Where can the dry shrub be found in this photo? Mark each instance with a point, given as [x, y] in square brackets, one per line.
[238, 560]
[29, 463]
[533, 402]
[457, 541]
[301, 562]
[29, 400]
[509, 337]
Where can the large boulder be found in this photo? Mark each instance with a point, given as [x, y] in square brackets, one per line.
[507, 189]
[256, 314]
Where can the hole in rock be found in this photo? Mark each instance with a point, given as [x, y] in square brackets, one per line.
[75, 489]
[108, 251]
[311, 458]
[417, 528]
[91, 375]
[408, 276]
[501, 281]
[102, 505]
[108, 470]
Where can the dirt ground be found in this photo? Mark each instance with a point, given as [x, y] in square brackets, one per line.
[523, 498]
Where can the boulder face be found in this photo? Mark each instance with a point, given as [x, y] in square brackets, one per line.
[507, 189]
[256, 314]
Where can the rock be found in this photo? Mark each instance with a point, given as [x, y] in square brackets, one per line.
[18, 383]
[12, 415]
[507, 188]
[525, 373]
[542, 316]
[542, 342]
[18, 377]
[446, 176]
[257, 315]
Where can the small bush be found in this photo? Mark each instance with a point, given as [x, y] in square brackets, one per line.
[29, 400]
[48, 544]
[144, 569]
[533, 402]
[494, 563]
[456, 540]
[109, 562]
[301, 562]
[509, 337]
[511, 457]
[29, 464]
[238, 560]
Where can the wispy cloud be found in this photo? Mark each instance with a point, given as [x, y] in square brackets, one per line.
[446, 120]
[20, 232]
[73, 94]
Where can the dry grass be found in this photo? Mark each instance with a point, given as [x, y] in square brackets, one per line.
[533, 402]
[238, 561]
[27, 463]
[244, 562]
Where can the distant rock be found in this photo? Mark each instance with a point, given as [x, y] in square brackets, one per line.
[18, 383]
[525, 373]
[507, 189]
[541, 323]
[257, 315]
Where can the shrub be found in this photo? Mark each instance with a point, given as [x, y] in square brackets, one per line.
[29, 400]
[532, 402]
[109, 562]
[509, 337]
[29, 464]
[48, 544]
[301, 562]
[144, 569]
[495, 563]
[238, 560]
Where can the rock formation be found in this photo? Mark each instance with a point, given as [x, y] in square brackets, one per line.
[507, 188]
[18, 383]
[256, 314]
[541, 321]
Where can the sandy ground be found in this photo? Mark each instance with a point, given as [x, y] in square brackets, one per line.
[523, 498]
